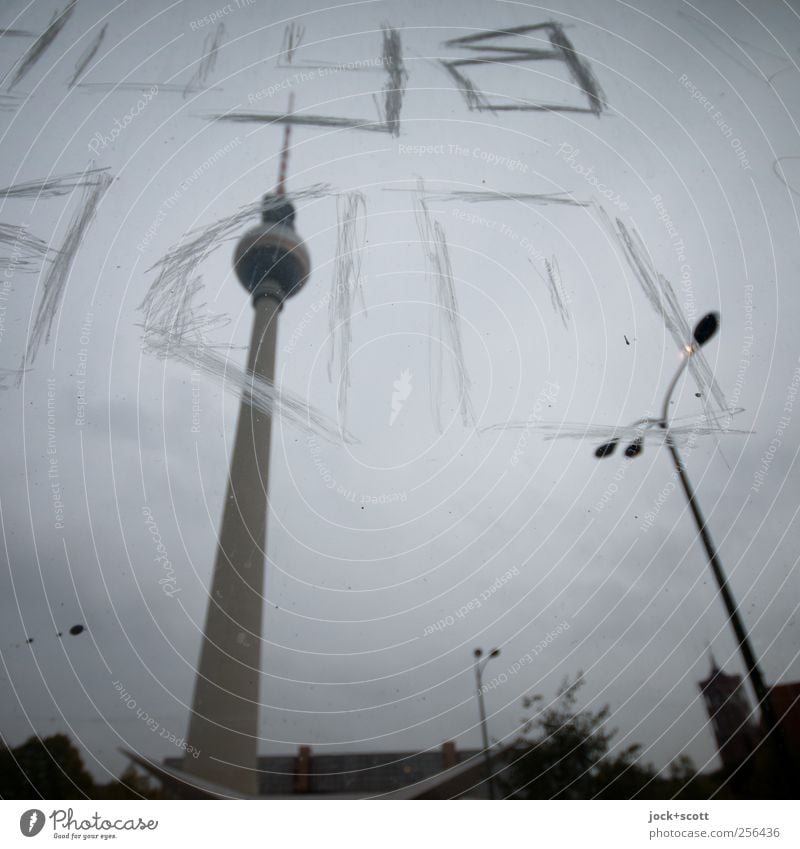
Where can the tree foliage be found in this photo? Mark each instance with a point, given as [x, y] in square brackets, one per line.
[565, 753]
[52, 768]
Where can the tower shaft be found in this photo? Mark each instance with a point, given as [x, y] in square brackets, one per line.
[223, 727]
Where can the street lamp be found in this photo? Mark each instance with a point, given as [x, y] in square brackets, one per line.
[705, 329]
[479, 666]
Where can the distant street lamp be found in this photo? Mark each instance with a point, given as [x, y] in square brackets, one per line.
[479, 666]
[705, 329]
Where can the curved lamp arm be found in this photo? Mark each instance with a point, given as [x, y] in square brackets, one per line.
[664, 420]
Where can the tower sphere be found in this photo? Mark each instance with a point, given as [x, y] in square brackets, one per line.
[271, 259]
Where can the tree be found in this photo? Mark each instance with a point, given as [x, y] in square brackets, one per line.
[52, 768]
[46, 767]
[563, 753]
[130, 785]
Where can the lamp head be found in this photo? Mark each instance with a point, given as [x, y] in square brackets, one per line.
[635, 448]
[494, 652]
[706, 328]
[607, 449]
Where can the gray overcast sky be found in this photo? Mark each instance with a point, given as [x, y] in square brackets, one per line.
[701, 104]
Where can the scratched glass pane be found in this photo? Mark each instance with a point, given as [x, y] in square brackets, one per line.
[502, 301]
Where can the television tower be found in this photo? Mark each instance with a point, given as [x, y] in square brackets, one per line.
[272, 263]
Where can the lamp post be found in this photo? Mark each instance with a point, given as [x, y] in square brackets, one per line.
[705, 329]
[479, 666]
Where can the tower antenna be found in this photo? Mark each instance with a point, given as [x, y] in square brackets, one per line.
[284, 164]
